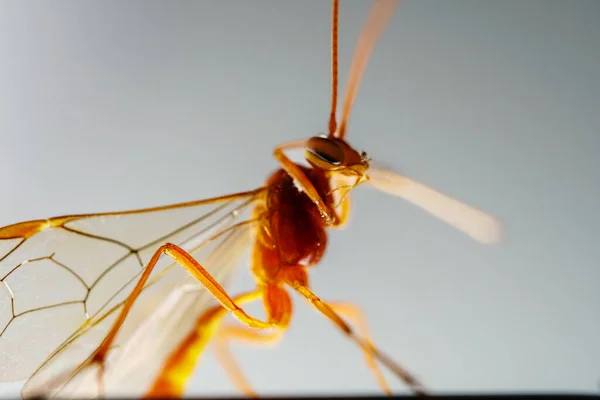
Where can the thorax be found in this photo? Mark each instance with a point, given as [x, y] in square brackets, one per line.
[291, 231]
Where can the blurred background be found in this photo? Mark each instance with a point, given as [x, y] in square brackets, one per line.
[117, 105]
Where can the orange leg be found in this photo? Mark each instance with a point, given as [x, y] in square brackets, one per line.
[343, 211]
[297, 175]
[195, 269]
[178, 367]
[297, 278]
[229, 333]
[180, 364]
[335, 218]
[357, 317]
[198, 272]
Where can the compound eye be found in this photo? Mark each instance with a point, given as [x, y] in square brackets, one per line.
[324, 153]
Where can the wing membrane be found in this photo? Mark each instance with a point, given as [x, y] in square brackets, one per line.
[480, 226]
[132, 367]
[62, 279]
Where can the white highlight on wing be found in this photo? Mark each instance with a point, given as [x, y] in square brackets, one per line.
[104, 254]
[475, 223]
[132, 367]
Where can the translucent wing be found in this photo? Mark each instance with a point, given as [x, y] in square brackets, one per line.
[480, 226]
[132, 367]
[63, 279]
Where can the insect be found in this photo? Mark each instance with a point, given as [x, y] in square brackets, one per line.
[99, 303]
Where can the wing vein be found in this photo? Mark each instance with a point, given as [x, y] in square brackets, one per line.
[101, 256]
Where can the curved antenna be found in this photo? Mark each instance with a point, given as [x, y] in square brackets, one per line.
[372, 29]
[334, 65]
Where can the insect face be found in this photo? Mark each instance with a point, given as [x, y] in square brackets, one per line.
[336, 155]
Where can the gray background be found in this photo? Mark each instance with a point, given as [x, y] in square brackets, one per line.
[116, 105]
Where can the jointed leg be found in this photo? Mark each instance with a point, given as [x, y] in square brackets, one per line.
[229, 333]
[178, 367]
[200, 273]
[297, 175]
[356, 316]
[342, 211]
[278, 307]
[297, 279]
[180, 364]
[194, 268]
[332, 218]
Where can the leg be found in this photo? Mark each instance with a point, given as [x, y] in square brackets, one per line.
[343, 211]
[198, 272]
[297, 175]
[194, 268]
[229, 333]
[332, 218]
[179, 366]
[356, 316]
[297, 278]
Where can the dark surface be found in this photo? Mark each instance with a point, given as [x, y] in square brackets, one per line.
[448, 397]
